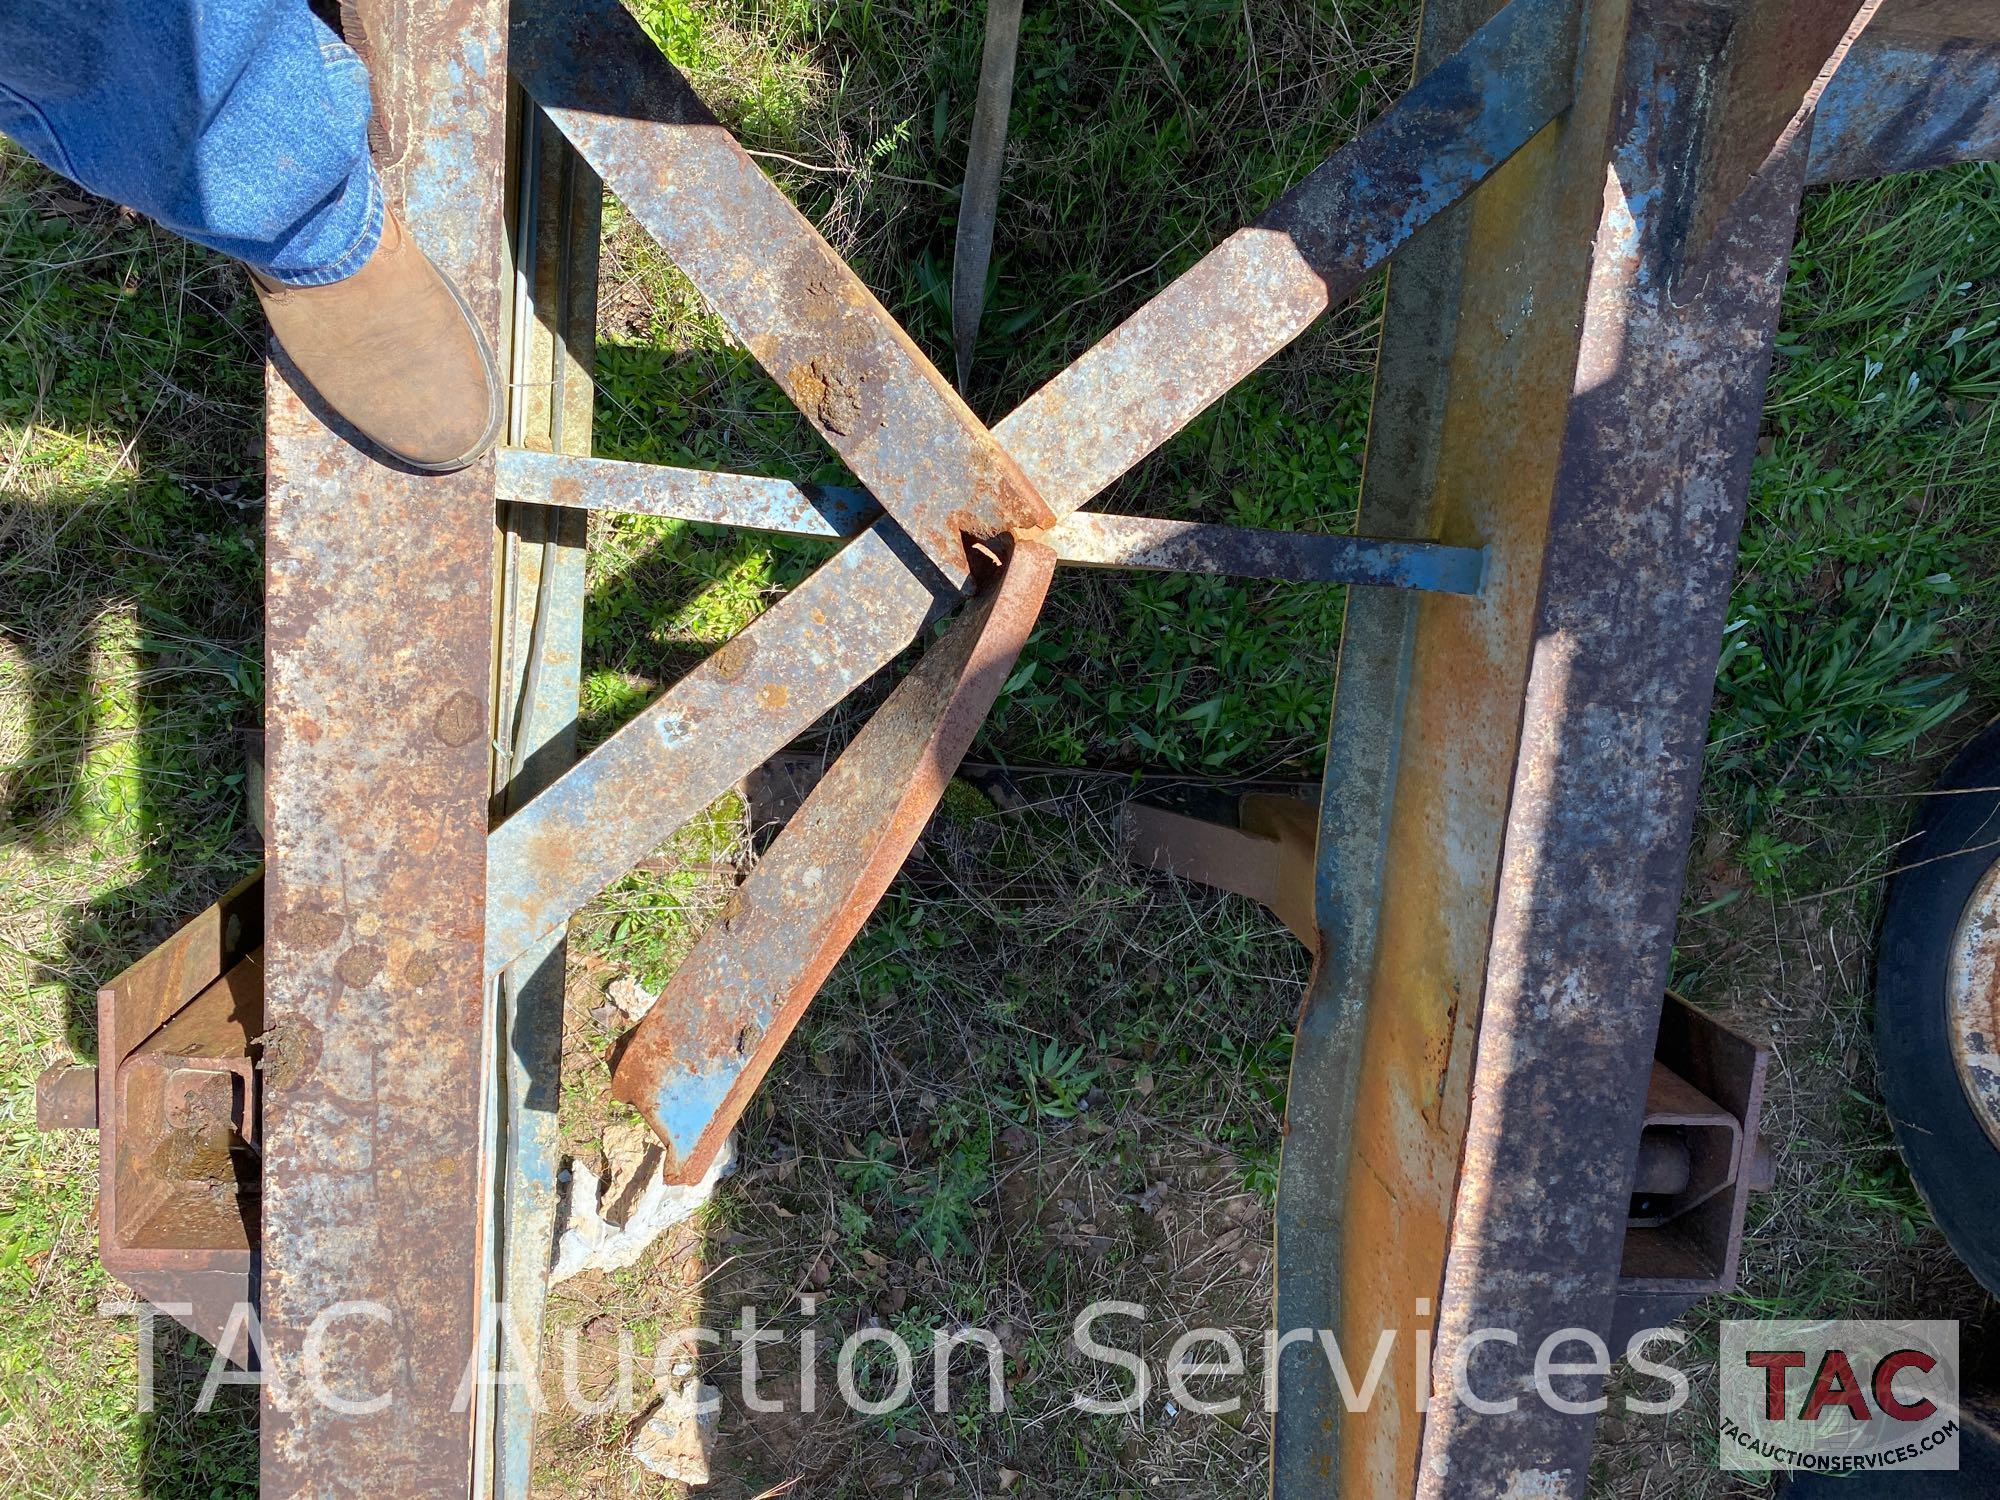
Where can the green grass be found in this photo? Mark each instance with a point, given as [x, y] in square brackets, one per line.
[129, 661]
[1857, 625]
[1037, 1075]
[1134, 146]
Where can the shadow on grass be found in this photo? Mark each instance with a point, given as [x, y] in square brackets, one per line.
[130, 603]
[130, 763]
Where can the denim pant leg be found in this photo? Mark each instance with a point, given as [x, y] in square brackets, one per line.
[239, 124]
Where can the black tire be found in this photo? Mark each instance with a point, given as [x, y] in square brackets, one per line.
[1954, 1162]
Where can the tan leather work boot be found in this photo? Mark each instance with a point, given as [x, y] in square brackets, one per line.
[394, 350]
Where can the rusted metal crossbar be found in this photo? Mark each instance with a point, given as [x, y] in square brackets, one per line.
[691, 1066]
[1573, 357]
[1134, 390]
[1083, 538]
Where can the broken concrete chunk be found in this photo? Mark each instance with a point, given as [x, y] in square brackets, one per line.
[647, 1207]
[633, 1156]
[632, 998]
[677, 1441]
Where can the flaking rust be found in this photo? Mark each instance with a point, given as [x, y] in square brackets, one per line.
[781, 290]
[376, 829]
[693, 1063]
[1659, 431]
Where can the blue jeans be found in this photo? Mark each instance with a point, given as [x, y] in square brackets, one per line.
[239, 124]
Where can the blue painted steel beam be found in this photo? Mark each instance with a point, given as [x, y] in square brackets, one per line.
[1904, 100]
[1084, 538]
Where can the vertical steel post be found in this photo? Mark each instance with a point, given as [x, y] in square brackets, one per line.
[1507, 813]
[1476, 365]
[1660, 428]
[556, 212]
[379, 589]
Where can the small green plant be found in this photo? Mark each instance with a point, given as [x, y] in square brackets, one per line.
[948, 1205]
[1055, 1083]
[874, 1170]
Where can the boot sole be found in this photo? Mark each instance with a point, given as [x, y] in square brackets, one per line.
[496, 405]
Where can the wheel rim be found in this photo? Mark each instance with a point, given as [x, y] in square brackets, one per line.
[1972, 1002]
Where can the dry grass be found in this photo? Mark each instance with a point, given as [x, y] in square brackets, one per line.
[1039, 1081]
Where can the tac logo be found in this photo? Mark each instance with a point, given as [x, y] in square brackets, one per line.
[1839, 1396]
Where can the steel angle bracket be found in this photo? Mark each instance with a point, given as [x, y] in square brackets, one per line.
[693, 1063]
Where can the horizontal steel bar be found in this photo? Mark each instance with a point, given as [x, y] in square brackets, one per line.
[780, 288]
[1084, 538]
[709, 497]
[1092, 540]
[693, 1063]
[1147, 379]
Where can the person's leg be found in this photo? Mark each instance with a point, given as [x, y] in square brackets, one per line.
[243, 125]
[239, 124]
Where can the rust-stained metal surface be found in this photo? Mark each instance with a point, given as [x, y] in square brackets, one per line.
[1093, 540]
[1767, 57]
[178, 1193]
[713, 498]
[1264, 285]
[979, 199]
[1089, 539]
[1495, 888]
[379, 609]
[778, 286]
[1709, 1155]
[692, 1065]
[1920, 88]
[1266, 855]
[1640, 555]
[738, 708]
[66, 1097]
[1687, 1246]
[1972, 1003]
[1476, 367]
[850, 619]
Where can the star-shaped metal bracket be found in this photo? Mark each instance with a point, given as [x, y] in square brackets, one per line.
[952, 512]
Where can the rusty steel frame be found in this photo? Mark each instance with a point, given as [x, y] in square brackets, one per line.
[1595, 201]
[556, 215]
[378, 721]
[1158, 370]
[691, 1066]
[780, 288]
[1089, 539]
